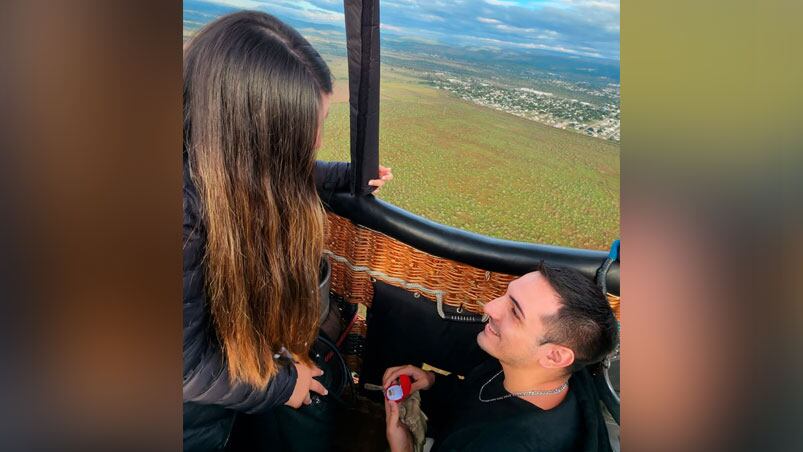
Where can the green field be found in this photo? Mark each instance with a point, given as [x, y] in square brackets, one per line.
[483, 170]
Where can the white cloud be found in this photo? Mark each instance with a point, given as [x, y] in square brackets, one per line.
[529, 45]
[300, 9]
[399, 2]
[320, 15]
[487, 20]
[384, 26]
[605, 5]
[431, 18]
[530, 33]
[513, 29]
[242, 4]
[501, 3]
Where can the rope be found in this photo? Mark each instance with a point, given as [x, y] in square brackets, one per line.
[437, 294]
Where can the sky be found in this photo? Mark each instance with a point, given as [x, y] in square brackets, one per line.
[573, 27]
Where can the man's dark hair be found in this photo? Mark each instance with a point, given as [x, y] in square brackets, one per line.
[585, 321]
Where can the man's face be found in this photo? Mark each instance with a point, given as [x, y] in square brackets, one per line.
[516, 320]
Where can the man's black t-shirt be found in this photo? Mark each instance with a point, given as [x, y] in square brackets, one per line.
[459, 421]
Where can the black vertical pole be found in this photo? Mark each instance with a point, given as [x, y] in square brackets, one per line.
[362, 39]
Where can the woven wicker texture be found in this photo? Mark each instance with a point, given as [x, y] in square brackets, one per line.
[464, 286]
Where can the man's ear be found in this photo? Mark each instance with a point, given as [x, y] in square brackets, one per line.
[557, 356]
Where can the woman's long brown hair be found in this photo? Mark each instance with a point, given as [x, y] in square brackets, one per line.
[252, 97]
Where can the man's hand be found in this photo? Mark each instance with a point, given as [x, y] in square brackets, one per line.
[399, 437]
[304, 384]
[422, 379]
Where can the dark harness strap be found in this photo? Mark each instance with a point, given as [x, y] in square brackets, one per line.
[362, 35]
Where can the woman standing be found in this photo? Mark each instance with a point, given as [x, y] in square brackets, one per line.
[255, 97]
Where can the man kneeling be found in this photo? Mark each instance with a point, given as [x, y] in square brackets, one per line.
[531, 392]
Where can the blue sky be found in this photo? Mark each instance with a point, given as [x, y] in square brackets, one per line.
[572, 27]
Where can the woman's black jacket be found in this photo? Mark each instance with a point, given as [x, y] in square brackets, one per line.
[210, 399]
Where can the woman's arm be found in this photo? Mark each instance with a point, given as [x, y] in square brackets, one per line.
[205, 377]
[331, 177]
[207, 382]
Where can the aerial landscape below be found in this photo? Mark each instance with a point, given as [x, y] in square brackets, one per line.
[521, 144]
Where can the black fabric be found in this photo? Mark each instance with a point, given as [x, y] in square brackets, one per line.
[362, 41]
[459, 421]
[331, 177]
[606, 396]
[328, 424]
[403, 329]
[210, 399]
[289, 429]
[487, 253]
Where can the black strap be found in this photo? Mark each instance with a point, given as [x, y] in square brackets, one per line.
[602, 273]
[362, 40]
[606, 396]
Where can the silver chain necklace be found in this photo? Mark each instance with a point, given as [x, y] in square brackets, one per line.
[557, 390]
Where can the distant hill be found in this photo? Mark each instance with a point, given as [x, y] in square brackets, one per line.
[516, 61]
